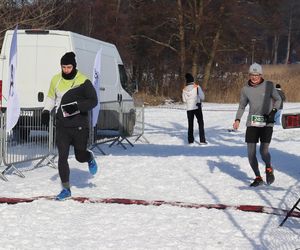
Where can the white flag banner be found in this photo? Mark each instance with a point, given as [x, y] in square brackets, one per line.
[96, 83]
[13, 106]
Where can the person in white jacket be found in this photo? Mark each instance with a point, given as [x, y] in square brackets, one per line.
[192, 96]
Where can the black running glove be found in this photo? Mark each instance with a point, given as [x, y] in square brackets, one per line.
[70, 109]
[45, 117]
[270, 118]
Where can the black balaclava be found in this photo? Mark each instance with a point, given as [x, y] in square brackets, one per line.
[69, 58]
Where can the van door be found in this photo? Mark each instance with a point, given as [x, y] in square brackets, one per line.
[50, 48]
[109, 87]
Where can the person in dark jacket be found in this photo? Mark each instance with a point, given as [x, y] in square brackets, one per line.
[72, 95]
[264, 101]
[279, 111]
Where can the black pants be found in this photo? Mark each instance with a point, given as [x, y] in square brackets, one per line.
[65, 137]
[199, 116]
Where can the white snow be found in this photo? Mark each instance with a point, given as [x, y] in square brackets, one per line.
[166, 169]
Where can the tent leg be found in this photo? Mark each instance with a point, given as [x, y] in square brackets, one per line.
[290, 212]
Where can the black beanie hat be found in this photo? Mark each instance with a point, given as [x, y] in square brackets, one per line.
[189, 78]
[68, 58]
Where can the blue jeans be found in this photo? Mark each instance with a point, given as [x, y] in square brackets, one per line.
[278, 117]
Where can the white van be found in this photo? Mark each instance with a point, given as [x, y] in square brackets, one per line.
[38, 60]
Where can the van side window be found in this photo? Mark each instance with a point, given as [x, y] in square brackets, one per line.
[123, 77]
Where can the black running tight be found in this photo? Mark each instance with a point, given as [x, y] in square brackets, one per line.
[265, 155]
[65, 137]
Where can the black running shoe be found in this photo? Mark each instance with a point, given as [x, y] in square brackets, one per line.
[257, 182]
[270, 175]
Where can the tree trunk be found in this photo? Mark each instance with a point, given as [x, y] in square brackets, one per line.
[288, 47]
[211, 58]
[195, 63]
[275, 49]
[199, 8]
[182, 52]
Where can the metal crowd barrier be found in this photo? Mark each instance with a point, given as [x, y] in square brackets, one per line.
[27, 141]
[30, 141]
[107, 128]
[126, 116]
[139, 127]
[123, 120]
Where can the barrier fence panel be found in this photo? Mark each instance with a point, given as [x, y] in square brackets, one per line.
[115, 124]
[139, 127]
[2, 176]
[107, 129]
[126, 121]
[27, 141]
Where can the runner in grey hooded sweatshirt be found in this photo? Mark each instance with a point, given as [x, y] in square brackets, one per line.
[264, 101]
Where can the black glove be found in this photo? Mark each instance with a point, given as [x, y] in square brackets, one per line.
[70, 109]
[45, 117]
[270, 118]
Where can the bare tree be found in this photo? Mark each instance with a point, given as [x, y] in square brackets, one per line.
[292, 10]
[36, 14]
[181, 35]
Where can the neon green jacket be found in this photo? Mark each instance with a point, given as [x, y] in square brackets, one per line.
[62, 91]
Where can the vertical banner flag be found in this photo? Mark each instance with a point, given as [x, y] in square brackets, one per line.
[13, 107]
[96, 84]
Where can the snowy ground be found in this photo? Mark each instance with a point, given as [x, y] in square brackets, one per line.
[166, 169]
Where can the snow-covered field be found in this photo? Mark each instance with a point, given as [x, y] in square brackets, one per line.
[165, 169]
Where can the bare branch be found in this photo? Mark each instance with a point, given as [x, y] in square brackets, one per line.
[157, 42]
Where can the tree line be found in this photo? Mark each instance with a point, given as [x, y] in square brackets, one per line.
[160, 40]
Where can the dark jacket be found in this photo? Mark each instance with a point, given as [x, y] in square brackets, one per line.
[282, 95]
[86, 98]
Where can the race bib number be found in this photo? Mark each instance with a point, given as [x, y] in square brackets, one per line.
[258, 121]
